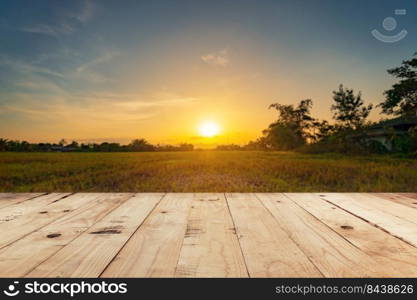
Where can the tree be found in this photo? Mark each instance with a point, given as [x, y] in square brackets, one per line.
[228, 147]
[292, 129]
[62, 142]
[73, 144]
[258, 144]
[3, 144]
[141, 145]
[349, 111]
[401, 99]
[321, 130]
[185, 147]
[283, 137]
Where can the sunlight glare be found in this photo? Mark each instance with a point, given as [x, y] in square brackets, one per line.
[209, 129]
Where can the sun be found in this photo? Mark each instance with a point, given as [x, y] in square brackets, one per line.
[209, 129]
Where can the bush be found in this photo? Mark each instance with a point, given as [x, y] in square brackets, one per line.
[345, 146]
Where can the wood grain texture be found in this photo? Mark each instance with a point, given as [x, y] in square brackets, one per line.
[210, 247]
[35, 220]
[363, 206]
[393, 255]
[19, 258]
[208, 235]
[7, 199]
[411, 195]
[154, 249]
[398, 198]
[267, 248]
[15, 211]
[320, 243]
[90, 253]
[394, 208]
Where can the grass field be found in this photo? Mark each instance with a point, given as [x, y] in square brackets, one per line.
[205, 171]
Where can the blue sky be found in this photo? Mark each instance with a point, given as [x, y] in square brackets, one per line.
[115, 70]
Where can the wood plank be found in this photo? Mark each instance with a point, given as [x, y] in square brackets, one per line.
[390, 252]
[267, 249]
[303, 235]
[15, 211]
[333, 255]
[154, 249]
[390, 207]
[410, 195]
[19, 258]
[398, 198]
[210, 247]
[358, 205]
[7, 199]
[90, 253]
[18, 228]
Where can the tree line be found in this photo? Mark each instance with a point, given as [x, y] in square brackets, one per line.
[137, 145]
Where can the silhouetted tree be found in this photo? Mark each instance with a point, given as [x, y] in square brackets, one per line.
[258, 144]
[3, 145]
[73, 145]
[349, 110]
[85, 147]
[401, 99]
[230, 147]
[292, 129]
[321, 130]
[62, 142]
[186, 147]
[141, 145]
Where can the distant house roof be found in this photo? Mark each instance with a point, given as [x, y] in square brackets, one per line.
[397, 123]
[400, 125]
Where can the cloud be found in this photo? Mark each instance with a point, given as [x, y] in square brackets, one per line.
[220, 58]
[156, 103]
[130, 103]
[66, 23]
[87, 12]
[59, 110]
[96, 61]
[86, 70]
[55, 31]
[99, 107]
[24, 67]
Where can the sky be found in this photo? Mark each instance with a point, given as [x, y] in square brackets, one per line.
[106, 70]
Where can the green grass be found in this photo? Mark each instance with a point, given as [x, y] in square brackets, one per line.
[205, 171]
